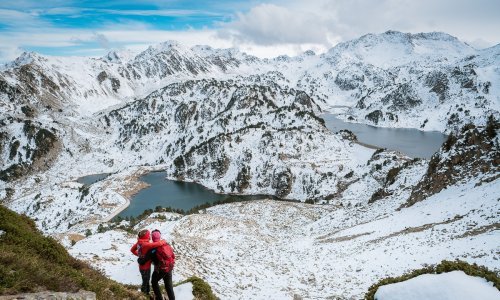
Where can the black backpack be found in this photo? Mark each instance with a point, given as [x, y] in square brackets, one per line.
[151, 255]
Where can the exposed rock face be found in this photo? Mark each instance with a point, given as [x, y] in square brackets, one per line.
[402, 98]
[375, 116]
[31, 150]
[438, 83]
[466, 76]
[348, 80]
[102, 76]
[282, 183]
[473, 153]
[82, 295]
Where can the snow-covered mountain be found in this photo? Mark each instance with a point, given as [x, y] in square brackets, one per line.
[239, 124]
[250, 124]
[401, 75]
[430, 81]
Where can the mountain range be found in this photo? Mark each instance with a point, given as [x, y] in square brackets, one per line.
[239, 124]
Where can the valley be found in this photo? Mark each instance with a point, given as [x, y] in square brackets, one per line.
[231, 123]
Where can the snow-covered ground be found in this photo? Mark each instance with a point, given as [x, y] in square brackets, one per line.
[184, 291]
[455, 285]
[270, 249]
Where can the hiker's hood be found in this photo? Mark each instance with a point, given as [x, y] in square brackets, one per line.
[156, 236]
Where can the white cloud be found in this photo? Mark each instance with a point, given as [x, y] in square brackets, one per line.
[327, 22]
[102, 40]
[77, 11]
[188, 37]
[19, 19]
[9, 53]
[269, 24]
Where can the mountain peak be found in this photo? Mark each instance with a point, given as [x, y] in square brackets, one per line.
[25, 58]
[393, 48]
[165, 47]
[202, 48]
[120, 56]
[308, 53]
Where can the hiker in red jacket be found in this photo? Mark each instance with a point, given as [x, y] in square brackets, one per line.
[163, 258]
[140, 249]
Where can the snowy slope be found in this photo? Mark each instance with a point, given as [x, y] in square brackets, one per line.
[394, 48]
[455, 285]
[269, 249]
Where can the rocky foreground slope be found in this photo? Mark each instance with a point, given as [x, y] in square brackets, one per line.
[32, 262]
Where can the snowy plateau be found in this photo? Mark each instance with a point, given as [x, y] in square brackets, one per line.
[238, 124]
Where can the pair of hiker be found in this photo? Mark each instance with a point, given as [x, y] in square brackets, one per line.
[161, 255]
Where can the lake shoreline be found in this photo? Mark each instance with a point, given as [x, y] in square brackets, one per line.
[129, 187]
[369, 146]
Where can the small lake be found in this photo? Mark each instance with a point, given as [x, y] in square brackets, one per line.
[175, 194]
[90, 179]
[412, 142]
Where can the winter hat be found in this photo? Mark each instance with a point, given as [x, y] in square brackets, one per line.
[156, 235]
[144, 234]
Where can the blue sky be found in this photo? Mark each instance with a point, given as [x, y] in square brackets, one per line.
[66, 25]
[263, 28]
[170, 15]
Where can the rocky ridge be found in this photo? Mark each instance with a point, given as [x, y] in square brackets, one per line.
[474, 154]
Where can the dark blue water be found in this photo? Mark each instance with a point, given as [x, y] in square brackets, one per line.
[412, 142]
[174, 194]
[90, 179]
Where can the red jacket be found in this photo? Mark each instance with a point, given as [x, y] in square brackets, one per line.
[144, 245]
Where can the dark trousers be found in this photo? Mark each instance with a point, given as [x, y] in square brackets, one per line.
[145, 274]
[167, 279]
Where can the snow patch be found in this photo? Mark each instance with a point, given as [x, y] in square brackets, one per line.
[184, 291]
[455, 285]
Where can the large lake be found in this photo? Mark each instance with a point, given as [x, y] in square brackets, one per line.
[412, 142]
[174, 194]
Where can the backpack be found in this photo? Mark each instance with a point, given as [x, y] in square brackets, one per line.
[165, 258]
[142, 259]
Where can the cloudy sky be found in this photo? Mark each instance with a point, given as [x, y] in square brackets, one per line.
[262, 28]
